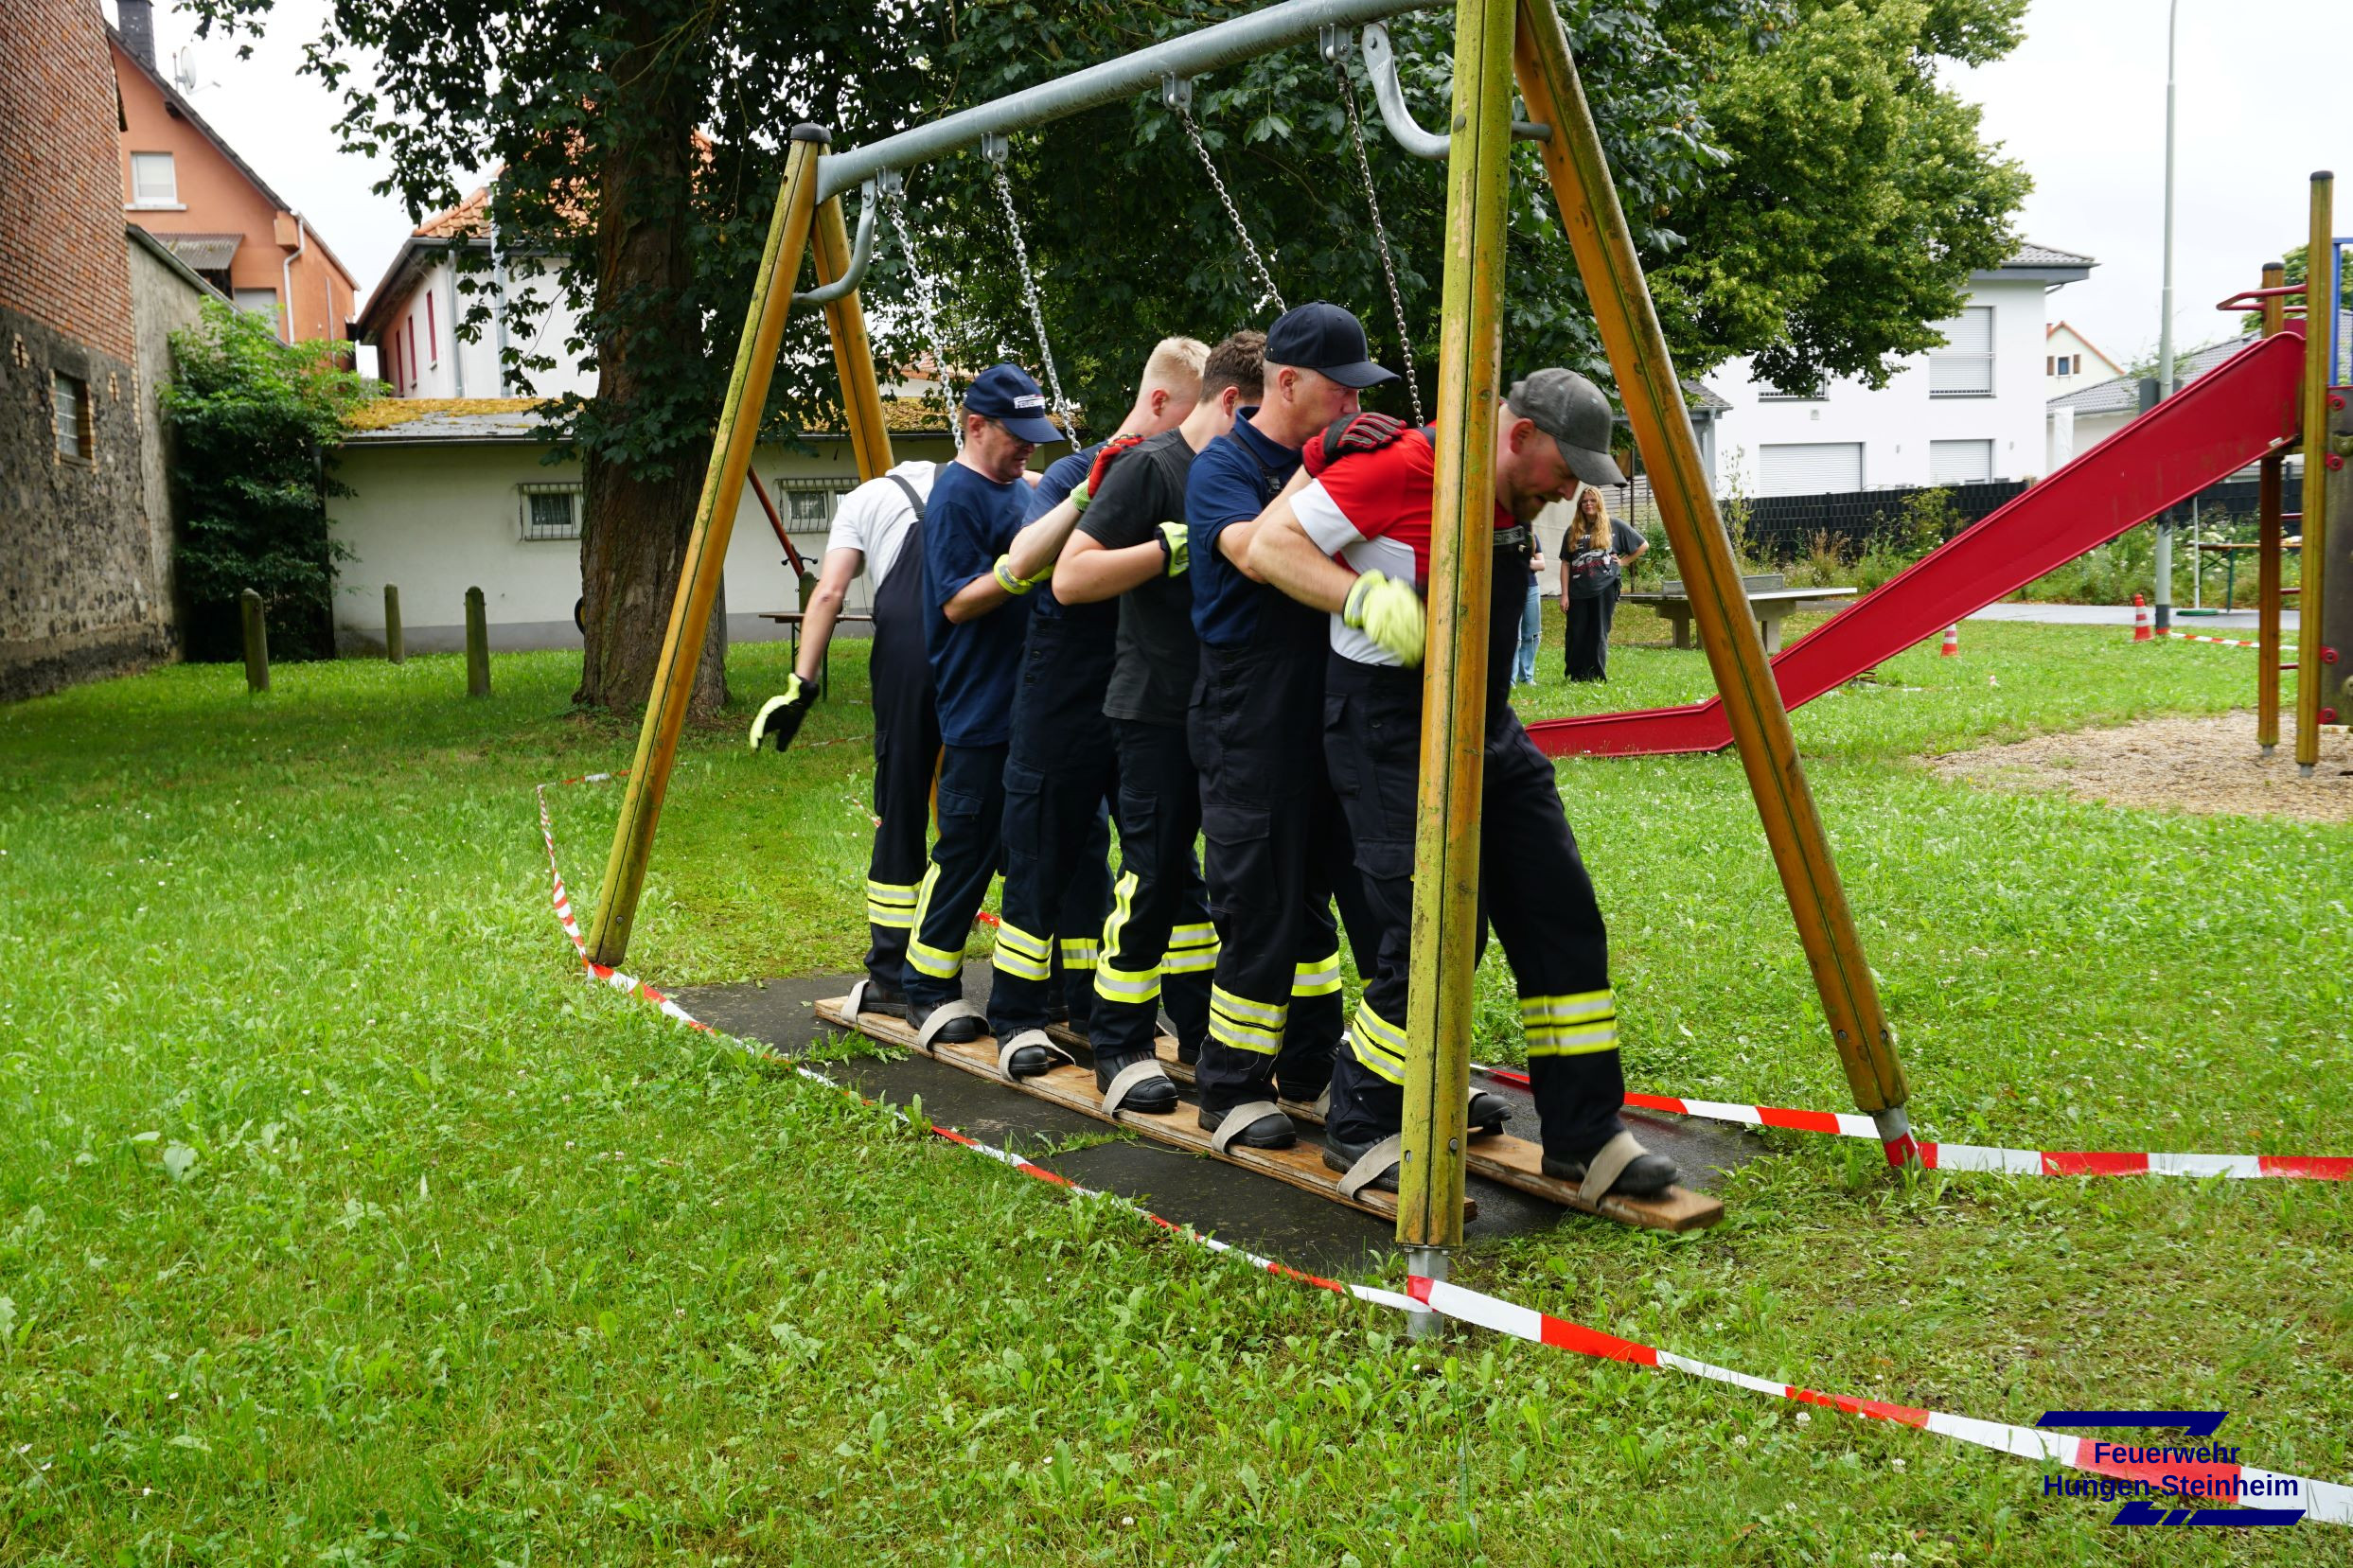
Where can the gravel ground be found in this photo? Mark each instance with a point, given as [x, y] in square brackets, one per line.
[2198, 765]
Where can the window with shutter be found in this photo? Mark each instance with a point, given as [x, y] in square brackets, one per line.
[1809, 468]
[1960, 462]
[1964, 367]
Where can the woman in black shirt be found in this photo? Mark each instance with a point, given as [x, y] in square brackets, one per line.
[1594, 549]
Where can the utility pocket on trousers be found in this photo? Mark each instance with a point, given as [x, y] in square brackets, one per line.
[958, 809]
[1025, 810]
[1239, 841]
[1386, 860]
[1340, 747]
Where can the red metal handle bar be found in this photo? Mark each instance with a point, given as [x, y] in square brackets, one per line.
[2250, 299]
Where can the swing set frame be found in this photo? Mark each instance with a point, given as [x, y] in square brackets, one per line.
[1496, 41]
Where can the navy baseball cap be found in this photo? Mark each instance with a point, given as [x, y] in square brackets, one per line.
[1328, 339]
[1006, 394]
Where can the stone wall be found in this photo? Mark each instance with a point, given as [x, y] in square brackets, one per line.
[166, 297]
[79, 593]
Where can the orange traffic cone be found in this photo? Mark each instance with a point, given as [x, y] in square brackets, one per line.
[1952, 642]
[2141, 632]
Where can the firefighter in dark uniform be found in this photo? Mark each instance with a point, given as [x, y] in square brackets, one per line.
[1277, 844]
[1157, 945]
[1062, 768]
[979, 564]
[1368, 503]
[879, 528]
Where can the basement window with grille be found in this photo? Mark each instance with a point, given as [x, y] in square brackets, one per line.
[549, 511]
[69, 402]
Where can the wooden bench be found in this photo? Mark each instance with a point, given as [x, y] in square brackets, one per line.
[1769, 599]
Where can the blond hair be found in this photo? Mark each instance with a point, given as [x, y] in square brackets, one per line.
[1176, 363]
[1589, 535]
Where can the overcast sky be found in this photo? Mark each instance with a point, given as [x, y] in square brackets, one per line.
[2081, 102]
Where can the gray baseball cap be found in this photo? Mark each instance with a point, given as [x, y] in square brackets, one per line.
[1576, 415]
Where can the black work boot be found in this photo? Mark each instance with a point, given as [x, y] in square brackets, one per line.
[1152, 1097]
[956, 1031]
[1645, 1176]
[1340, 1157]
[883, 997]
[1273, 1130]
[1487, 1114]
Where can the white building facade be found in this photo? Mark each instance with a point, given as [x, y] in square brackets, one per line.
[2070, 360]
[411, 319]
[456, 499]
[1974, 410]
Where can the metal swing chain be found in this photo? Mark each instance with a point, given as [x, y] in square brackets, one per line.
[1029, 293]
[1380, 234]
[1250, 250]
[927, 303]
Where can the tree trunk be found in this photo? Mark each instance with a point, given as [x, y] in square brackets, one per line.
[636, 523]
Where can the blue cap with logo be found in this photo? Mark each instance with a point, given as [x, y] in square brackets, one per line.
[1006, 394]
[1325, 338]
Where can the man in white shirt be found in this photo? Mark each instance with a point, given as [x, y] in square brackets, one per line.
[877, 529]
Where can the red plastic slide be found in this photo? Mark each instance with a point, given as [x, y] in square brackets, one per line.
[2213, 428]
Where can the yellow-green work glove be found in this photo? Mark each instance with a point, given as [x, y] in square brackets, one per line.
[1173, 542]
[1018, 586]
[779, 718]
[1387, 611]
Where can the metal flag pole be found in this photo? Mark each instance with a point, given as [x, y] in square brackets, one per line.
[2269, 532]
[2164, 327]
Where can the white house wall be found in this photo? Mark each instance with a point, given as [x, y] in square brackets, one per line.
[471, 369]
[437, 519]
[1896, 424]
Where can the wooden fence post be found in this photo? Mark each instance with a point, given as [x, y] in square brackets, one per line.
[477, 646]
[257, 641]
[396, 647]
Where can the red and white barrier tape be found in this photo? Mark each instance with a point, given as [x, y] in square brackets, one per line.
[2220, 641]
[2322, 1501]
[1972, 1157]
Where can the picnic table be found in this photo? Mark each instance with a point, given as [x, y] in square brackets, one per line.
[1769, 599]
[791, 619]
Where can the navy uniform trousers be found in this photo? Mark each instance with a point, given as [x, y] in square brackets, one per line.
[1278, 852]
[1533, 887]
[1158, 944]
[1061, 771]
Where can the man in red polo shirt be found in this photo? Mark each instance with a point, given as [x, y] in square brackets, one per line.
[1354, 540]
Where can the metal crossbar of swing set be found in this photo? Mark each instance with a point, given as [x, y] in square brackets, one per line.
[1231, 43]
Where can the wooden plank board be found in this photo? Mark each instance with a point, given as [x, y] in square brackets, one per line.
[1514, 1162]
[1073, 1090]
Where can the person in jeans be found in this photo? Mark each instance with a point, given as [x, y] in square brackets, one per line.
[1593, 553]
[1531, 620]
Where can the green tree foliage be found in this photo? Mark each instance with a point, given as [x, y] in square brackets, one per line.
[1802, 186]
[1856, 197]
[251, 418]
[1799, 183]
[639, 144]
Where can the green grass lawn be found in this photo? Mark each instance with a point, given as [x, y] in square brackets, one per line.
[341, 1221]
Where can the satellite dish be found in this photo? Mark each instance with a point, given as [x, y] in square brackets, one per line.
[184, 68]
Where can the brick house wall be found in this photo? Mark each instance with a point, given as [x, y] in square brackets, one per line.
[79, 596]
